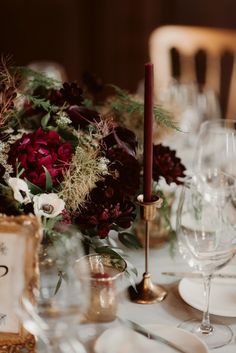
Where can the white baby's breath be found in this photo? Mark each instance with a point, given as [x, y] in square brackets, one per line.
[63, 119]
[103, 165]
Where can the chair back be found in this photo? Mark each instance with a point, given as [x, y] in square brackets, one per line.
[190, 47]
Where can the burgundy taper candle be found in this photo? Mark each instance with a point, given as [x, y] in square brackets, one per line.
[148, 133]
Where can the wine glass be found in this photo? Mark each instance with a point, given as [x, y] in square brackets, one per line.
[62, 295]
[206, 236]
[216, 147]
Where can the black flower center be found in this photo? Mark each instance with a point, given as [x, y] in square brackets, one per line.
[23, 193]
[47, 208]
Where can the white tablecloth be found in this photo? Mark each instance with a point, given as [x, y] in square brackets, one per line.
[172, 310]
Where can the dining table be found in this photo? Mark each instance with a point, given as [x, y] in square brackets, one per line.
[173, 309]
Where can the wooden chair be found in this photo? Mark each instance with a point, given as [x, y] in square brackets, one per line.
[190, 47]
[51, 68]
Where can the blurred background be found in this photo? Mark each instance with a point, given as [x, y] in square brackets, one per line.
[106, 37]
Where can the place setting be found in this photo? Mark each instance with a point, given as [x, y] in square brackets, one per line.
[222, 300]
[75, 188]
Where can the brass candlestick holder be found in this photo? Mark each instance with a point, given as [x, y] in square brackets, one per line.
[146, 292]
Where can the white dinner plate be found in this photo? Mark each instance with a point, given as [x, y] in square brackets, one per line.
[222, 297]
[124, 340]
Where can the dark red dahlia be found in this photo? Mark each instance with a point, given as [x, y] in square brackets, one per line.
[108, 206]
[97, 90]
[167, 165]
[40, 149]
[125, 168]
[70, 93]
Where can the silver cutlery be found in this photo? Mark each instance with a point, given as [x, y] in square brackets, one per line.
[197, 275]
[143, 331]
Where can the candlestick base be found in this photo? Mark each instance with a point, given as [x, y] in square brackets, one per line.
[146, 292]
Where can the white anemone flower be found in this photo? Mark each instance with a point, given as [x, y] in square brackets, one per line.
[48, 205]
[20, 190]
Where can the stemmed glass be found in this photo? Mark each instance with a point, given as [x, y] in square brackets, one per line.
[62, 296]
[207, 240]
[216, 147]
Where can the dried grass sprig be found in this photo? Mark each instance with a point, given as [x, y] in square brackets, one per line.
[84, 171]
[8, 90]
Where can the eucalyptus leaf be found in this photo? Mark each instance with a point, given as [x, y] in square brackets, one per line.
[34, 189]
[45, 120]
[20, 172]
[51, 223]
[48, 179]
[131, 268]
[131, 280]
[67, 135]
[59, 282]
[108, 250]
[129, 240]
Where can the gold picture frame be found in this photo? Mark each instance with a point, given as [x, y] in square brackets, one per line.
[20, 238]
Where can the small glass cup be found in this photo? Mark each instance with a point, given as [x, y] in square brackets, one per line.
[104, 276]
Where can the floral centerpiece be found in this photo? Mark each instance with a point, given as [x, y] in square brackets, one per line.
[71, 155]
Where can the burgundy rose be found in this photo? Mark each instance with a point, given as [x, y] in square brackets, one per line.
[167, 165]
[40, 149]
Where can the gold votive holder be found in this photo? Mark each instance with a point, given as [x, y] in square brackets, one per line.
[146, 292]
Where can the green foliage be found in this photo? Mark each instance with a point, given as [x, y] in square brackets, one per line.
[45, 121]
[34, 189]
[129, 240]
[67, 135]
[59, 282]
[165, 214]
[7, 201]
[41, 103]
[35, 78]
[19, 170]
[108, 250]
[48, 180]
[124, 103]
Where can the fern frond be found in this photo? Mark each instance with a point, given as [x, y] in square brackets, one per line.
[41, 103]
[37, 79]
[124, 103]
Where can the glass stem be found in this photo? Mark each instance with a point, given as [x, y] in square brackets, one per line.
[206, 326]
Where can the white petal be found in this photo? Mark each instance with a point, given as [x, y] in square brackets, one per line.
[20, 190]
[48, 205]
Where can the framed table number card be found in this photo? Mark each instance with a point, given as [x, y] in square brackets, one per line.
[19, 243]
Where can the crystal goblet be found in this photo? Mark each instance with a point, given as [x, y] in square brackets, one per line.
[207, 240]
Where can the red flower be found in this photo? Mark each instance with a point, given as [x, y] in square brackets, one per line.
[41, 149]
[126, 168]
[167, 165]
[107, 206]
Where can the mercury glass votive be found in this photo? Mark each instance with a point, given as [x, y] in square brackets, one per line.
[104, 274]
